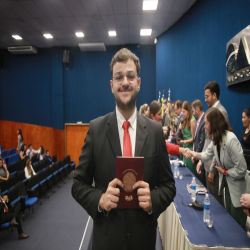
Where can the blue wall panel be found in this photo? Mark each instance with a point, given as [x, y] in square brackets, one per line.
[193, 51]
[87, 82]
[39, 89]
[25, 88]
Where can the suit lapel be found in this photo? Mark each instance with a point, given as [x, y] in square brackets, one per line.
[113, 135]
[141, 135]
[222, 150]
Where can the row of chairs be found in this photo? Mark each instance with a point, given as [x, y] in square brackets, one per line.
[5, 154]
[37, 186]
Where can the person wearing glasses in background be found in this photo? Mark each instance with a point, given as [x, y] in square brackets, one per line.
[124, 228]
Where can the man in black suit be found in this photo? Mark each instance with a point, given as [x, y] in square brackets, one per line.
[178, 112]
[123, 228]
[199, 137]
[11, 214]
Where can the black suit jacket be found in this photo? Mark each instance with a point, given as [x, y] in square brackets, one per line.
[199, 136]
[123, 228]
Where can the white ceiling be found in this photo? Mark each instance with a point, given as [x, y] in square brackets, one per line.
[30, 19]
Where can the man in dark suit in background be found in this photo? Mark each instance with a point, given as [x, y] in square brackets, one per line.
[11, 214]
[178, 112]
[123, 228]
[199, 137]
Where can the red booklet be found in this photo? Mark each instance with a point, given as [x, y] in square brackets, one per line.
[129, 170]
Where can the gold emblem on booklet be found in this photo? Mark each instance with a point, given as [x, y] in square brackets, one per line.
[129, 179]
[129, 198]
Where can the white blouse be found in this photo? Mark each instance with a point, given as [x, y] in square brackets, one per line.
[27, 173]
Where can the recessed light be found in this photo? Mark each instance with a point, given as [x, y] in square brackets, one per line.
[79, 34]
[48, 36]
[146, 32]
[150, 4]
[112, 33]
[17, 37]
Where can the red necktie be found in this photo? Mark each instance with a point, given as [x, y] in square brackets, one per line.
[127, 147]
[6, 210]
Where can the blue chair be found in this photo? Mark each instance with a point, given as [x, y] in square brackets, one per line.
[12, 151]
[30, 203]
[5, 225]
[14, 158]
[5, 155]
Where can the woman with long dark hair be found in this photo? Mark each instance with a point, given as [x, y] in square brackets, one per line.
[19, 139]
[231, 163]
[22, 152]
[187, 129]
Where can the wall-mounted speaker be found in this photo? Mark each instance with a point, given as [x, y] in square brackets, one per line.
[66, 56]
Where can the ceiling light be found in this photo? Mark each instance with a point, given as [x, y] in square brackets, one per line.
[79, 34]
[48, 36]
[146, 32]
[112, 33]
[150, 5]
[17, 37]
[155, 41]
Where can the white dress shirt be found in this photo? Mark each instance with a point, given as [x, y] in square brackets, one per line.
[131, 130]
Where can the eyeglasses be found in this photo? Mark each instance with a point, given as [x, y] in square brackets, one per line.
[118, 79]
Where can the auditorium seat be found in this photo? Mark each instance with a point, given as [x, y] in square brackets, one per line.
[13, 158]
[12, 151]
[5, 156]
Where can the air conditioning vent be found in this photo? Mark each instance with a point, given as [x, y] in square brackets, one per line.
[22, 50]
[92, 47]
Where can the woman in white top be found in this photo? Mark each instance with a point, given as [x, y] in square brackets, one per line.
[28, 170]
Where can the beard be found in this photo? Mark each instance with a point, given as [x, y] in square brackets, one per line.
[129, 104]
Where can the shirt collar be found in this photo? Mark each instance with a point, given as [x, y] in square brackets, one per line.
[121, 119]
[200, 117]
[216, 104]
[180, 115]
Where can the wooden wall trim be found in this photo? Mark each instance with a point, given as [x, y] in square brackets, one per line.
[49, 138]
[74, 139]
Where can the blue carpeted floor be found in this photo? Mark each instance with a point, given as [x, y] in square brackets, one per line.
[57, 224]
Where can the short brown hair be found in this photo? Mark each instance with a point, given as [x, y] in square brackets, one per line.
[197, 103]
[218, 125]
[123, 55]
[154, 107]
[178, 104]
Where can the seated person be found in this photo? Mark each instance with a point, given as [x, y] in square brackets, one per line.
[28, 170]
[30, 152]
[41, 153]
[11, 214]
[22, 153]
[47, 158]
[4, 173]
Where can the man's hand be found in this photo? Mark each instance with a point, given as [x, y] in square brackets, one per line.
[198, 167]
[211, 178]
[110, 198]
[144, 195]
[186, 153]
[245, 200]
[219, 169]
[246, 211]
